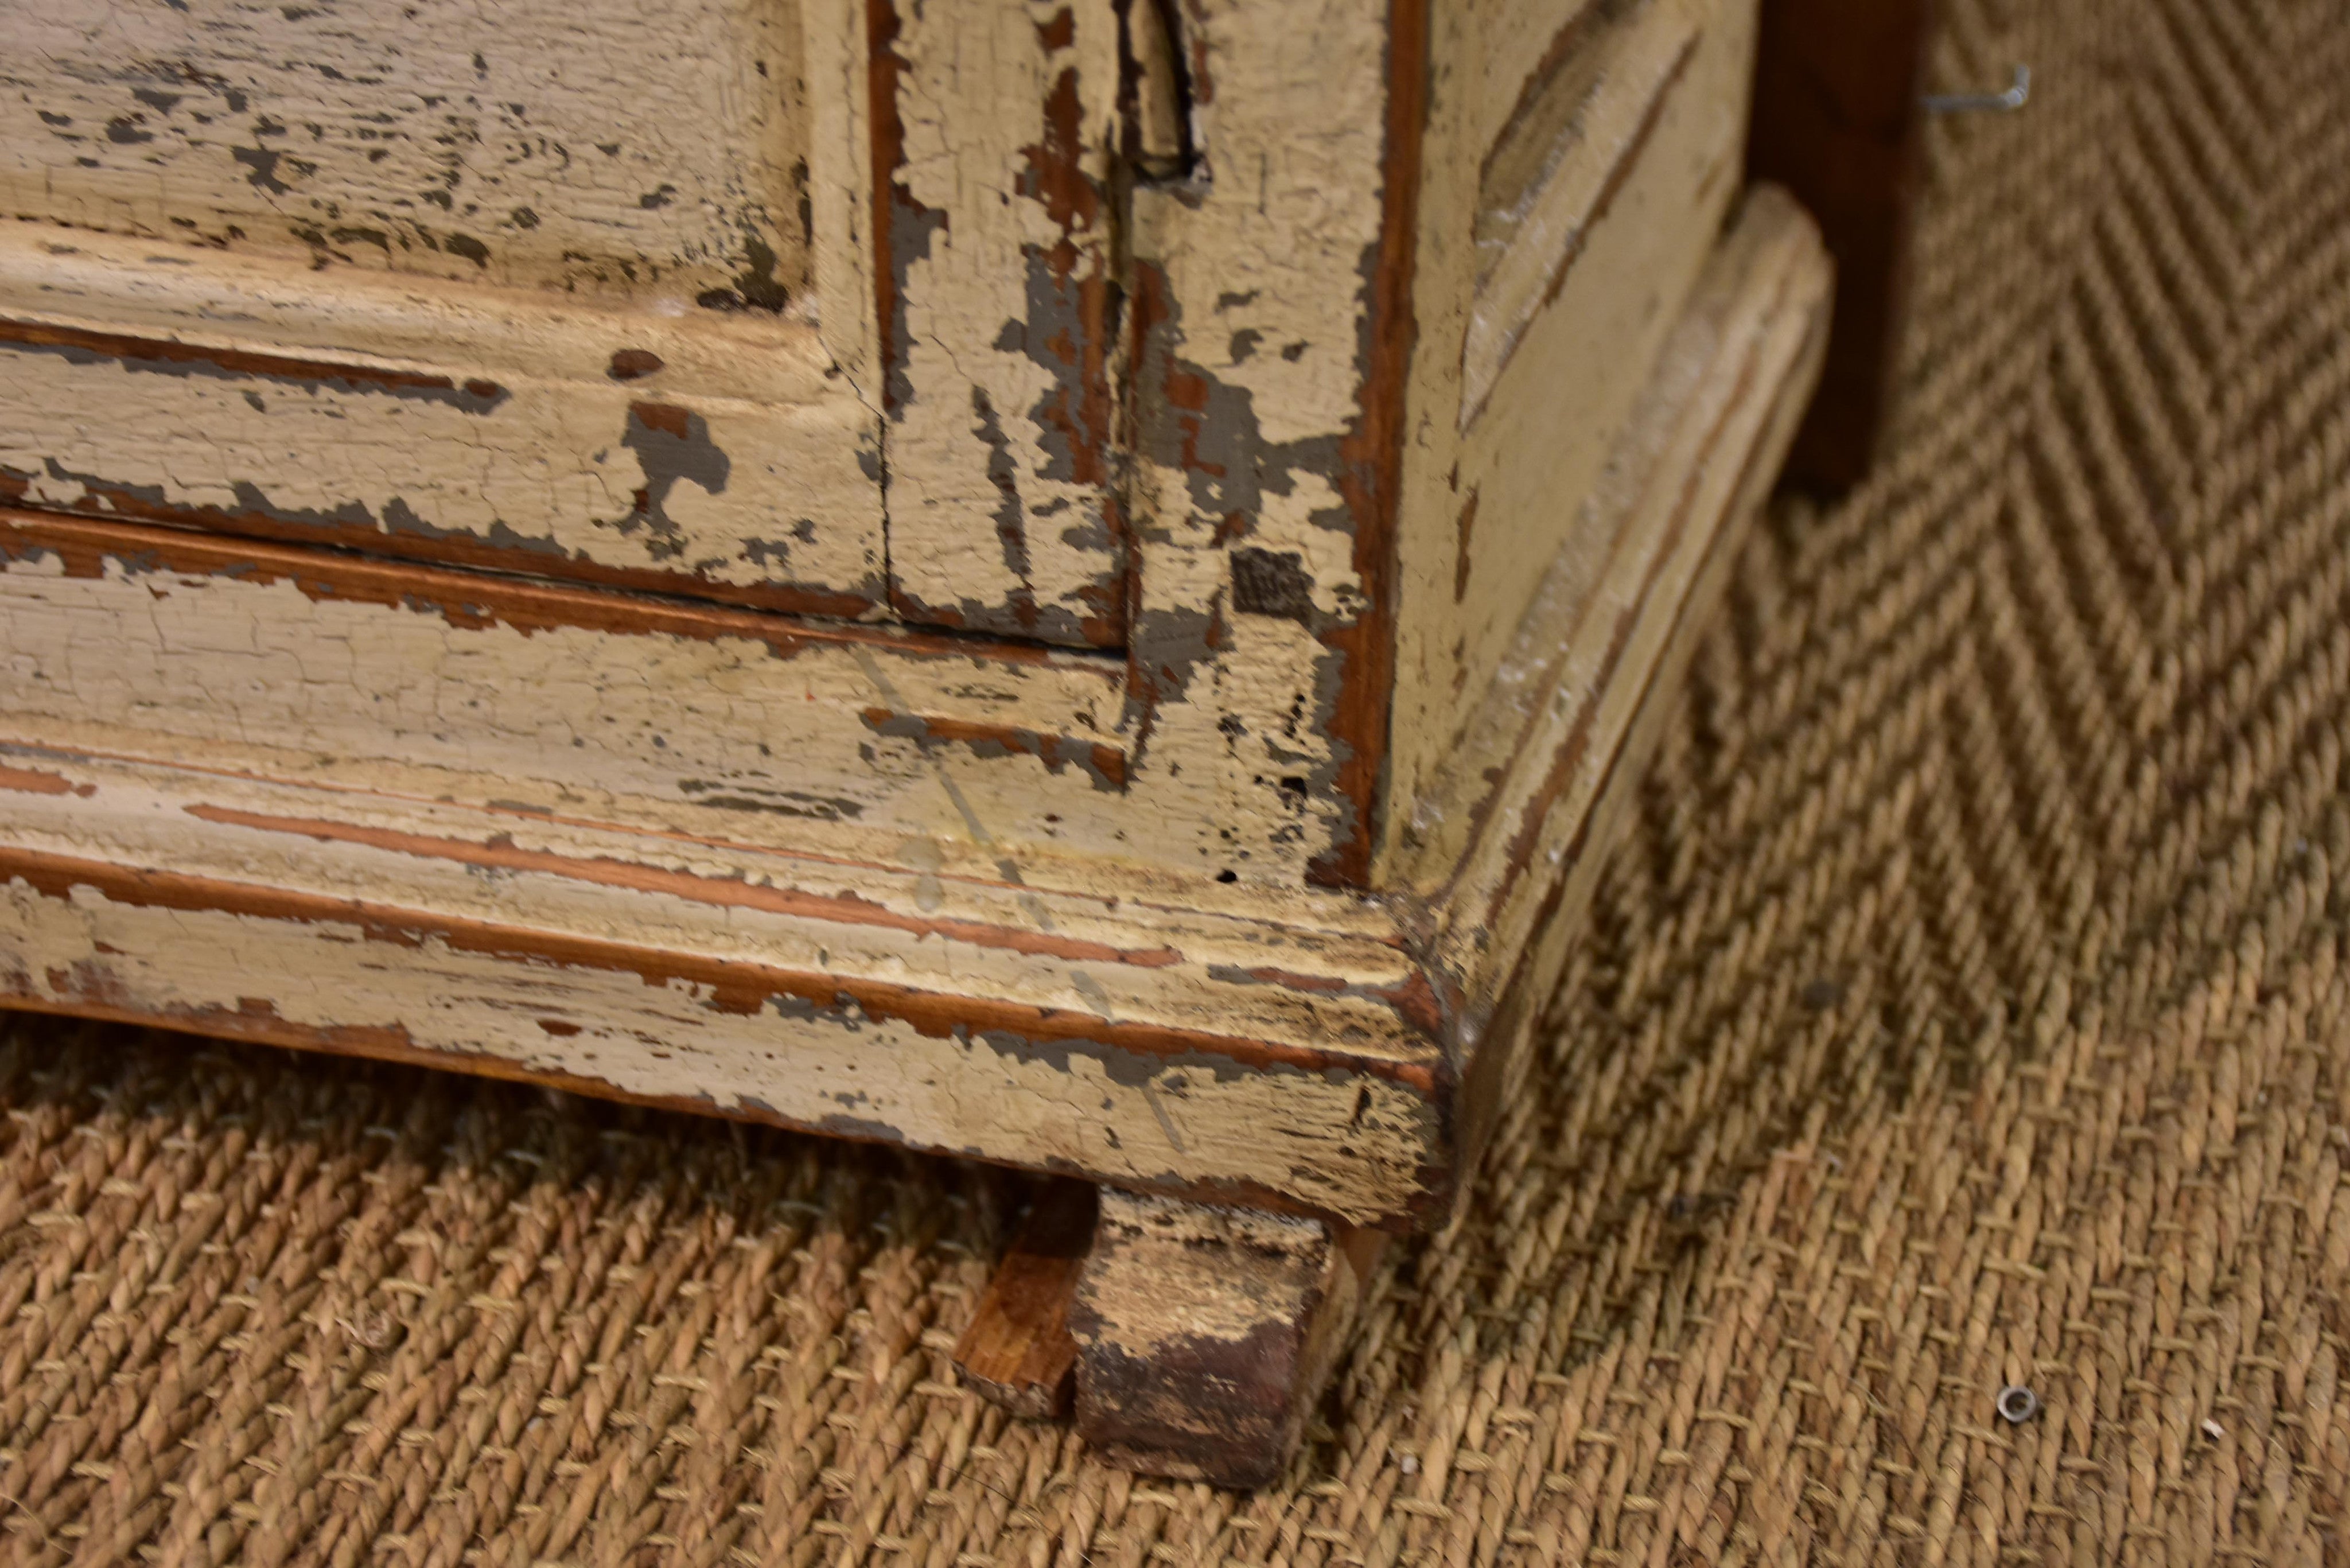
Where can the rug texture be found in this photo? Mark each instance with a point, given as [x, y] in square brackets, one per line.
[1969, 1007]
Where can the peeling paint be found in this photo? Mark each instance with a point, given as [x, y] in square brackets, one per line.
[543, 441]
[999, 312]
[423, 138]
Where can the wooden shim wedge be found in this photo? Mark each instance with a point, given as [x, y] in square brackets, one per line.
[1018, 1352]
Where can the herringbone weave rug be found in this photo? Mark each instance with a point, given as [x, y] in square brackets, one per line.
[1970, 1006]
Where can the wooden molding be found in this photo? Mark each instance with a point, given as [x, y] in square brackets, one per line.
[706, 454]
[1074, 1009]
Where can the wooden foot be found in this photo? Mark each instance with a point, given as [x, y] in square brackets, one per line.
[1018, 1352]
[1204, 1335]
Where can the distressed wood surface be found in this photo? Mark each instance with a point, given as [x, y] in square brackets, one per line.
[994, 127]
[870, 742]
[1626, 127]
[710, 453]
[1205, 1335]
[556, 833]
[359, 674]
[595, 149]
[1098, 1034]
[1018, 1350]
[1270, 301]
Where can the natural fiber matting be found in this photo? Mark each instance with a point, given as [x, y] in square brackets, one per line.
[1970, 1006]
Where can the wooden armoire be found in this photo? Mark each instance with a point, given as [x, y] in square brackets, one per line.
[1078, 582]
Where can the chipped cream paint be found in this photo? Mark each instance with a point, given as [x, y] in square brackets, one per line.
[1252, 293]
[966, 992]
[1502, 846]
[764, 738]
[1000, 298]
[840, 186]
[621, 150]
[773, 862]
[1607, 243]
[436, 419]
[852, 742]
[763, 984]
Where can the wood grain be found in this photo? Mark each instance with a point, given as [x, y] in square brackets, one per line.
[1018, 1350]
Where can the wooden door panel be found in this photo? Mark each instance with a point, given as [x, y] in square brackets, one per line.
[530, 285]
[711, 454]
[602, 149]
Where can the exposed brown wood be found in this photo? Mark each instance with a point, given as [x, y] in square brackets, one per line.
[888, 130]
[1206, 1335]
[242, 361]
[1018, 1351]
[1371, 464]
[997, 311]
[1837, 121]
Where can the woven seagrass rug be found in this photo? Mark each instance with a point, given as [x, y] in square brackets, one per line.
[1969, 1007]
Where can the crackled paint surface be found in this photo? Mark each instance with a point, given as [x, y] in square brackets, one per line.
[539, 288]
[1210, 907]
[1257, 521]
[598, 148]
[696, 452]
[1128, 1044]
[996, 128]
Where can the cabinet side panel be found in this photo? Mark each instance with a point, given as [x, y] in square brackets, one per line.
[1540, 316]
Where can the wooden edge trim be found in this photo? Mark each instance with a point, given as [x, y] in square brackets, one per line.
[1478, 382]
[1511, 1003]
[500, 853]
[261, 1027]
[1562, 763]
[1018, 1351]
[449, 550]
[735, 985]
[1370, 473]
[1518, 775]
[473, 599]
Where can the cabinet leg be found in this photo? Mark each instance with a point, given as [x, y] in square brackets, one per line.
[1204, 1335]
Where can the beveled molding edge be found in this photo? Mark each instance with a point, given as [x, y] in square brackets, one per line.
[1337, 1055]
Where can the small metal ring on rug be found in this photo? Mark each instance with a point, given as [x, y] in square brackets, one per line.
[2017, 1404]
